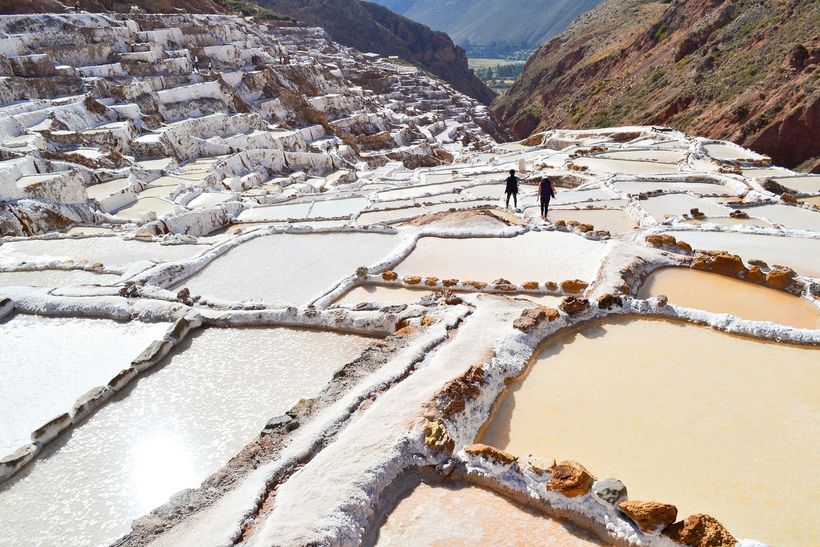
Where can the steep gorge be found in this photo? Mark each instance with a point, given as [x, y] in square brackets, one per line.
[745, 71]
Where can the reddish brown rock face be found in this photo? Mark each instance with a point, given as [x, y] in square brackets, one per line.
[574, 305]
[649, 515]
[571, 479]
[719, 262]
[700, 531]
[532, 318]
[780, 277]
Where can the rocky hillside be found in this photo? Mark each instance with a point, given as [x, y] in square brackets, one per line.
[370, 27]
[489, 28]
[742, 70]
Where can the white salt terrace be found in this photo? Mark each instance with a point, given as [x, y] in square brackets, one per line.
[547, 256]
[682, 412]
[173, 429]
[288, 268]
[48, 364]
[682, 415]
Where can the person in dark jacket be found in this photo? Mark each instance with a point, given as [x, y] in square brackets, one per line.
[512, 188]
[546, 192]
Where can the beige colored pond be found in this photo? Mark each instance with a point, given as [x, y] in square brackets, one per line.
[627, 167]
[615, 221]
[802, 183]
[728, 221]
[811, 201]
[795, 218]
[176, 427]
[682, 414]
[701, 188]
[671, 205]
[534, 256]
[146, 205]
[721, 294]
[802, 254]
[55, 278]
[461, 515]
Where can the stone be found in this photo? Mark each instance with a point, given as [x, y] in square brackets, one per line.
[431, 281]
[531, 318]
[719, 262]
[453, 300]
[608, 300]
[412, 280]
[437, 437]
[650, 516]
[570, 479]
[660, 240]
[662, 300]
[696, 213]
[683, 246]
[737, 213]
[283, 422]
[700, 531]
[584, 228]
[406, 331]
[490, 453]
[560, 224]
[756, 275]
[610, 491]
[780, 277]
[390, 276]
[475, 284]
[574, 285]
[789, 198]
[428, 320]
[551, 285]
[573, 305]
[530, 285]
[450, 282]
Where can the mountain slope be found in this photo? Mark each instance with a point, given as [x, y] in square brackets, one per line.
[741, 70]
[507, 25]
[370, 27]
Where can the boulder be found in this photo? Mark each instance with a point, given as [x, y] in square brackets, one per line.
[436, 436]
[650, 516]
[475, 284]
[661, 240]
[737, 213]
[574, 285]
[570, 478]
[780, 277]
[609, 300]
[573, 305]
[390, 276]
[609, 491]
[719, 262]
[551, 285]
[431, 281]
[530, 285]
[685, 247]
[756, 275]
[662, 300]
[696, 213]
[700, 531]
[584, 228]
[450, 282]
[530, 319]
[412, 280]
[789, 198]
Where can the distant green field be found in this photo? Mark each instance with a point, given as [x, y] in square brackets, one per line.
[487, 63]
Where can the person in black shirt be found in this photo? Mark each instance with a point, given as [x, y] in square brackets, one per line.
[512, 188]
[546, 192]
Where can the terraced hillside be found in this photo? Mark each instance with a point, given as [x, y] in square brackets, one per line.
[745, 71]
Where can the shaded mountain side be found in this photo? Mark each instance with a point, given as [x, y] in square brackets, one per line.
[741, 70]
[370, 27]
[499, 26]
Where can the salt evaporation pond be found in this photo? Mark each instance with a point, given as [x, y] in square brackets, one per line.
[671, 205]
[665, 156]
[275, 212]
[802, 254]
[730, 152]
[728, 221]
[721, 294]
[107, 250]
[48, 364]
[419, 191]
[460, 515]
[794, 218]
[702, 188]
[533, 256]
[143, 206]
[379, 294]
[613, 220]
[804, 183]
[55, 278]
[682, 414]
[175, 427]
[628, 167]
[338, 207]
[288, 268]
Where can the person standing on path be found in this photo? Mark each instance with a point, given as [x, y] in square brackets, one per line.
[512, 188]
[546, 192]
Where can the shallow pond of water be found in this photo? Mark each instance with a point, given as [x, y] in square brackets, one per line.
[729, 221]
[613, 220]
[107, 250]
[811, 201]
[338, 207]
[275, 212]
[175, 427]
[55, 278]
[576, 196]
[729, 152]
[659, 155]
[88, 230]
[627, 167]
[802, 254]
[137, 210]
[209, 199]
[682, 414]
[765, 172]
[701, 188]
[48, 363]
[721, 294]
[661, 207]
[460, 515]
[288, 268]
[794, 218]
[534, 256]
[806, 184]
[105, 189]
[380, 294]
[419, 191]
